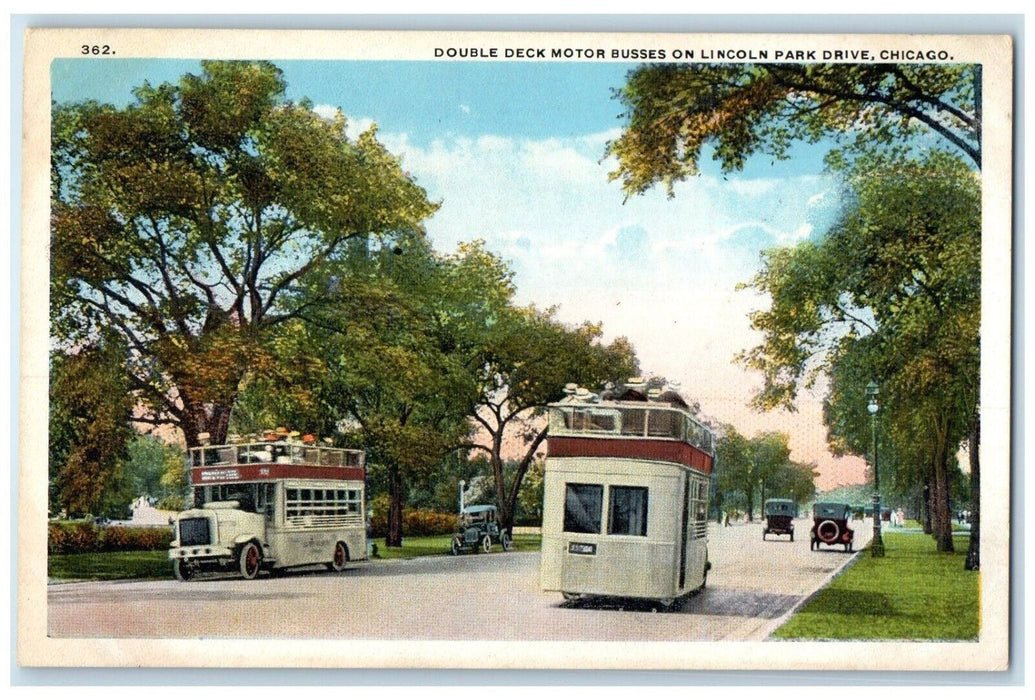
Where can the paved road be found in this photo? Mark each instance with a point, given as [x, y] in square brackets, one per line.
[752, 586]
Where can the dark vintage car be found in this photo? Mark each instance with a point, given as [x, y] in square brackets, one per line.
[830, 525]
[477, 528]
[779, 517]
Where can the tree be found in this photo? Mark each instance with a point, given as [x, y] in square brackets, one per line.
[760, 466]
[155, 468]
[90, 412]
[186, 221]
[891, 294]
[528, 359]
[744, 109]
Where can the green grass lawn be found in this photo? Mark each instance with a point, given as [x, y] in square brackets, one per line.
[129, 565]
[109, 565]
[913, 593]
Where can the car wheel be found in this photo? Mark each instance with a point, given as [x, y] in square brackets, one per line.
[487, 544]
[505, 541]
[571, 596]
[457, 546]
[341, 558]
[182, 570]
[250, 560]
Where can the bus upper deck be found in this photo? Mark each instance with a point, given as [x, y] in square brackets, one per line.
[632, 425]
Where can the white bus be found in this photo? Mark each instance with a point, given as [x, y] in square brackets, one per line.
[271, 505]
[625, 505]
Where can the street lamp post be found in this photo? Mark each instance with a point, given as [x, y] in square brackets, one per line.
[877, 545]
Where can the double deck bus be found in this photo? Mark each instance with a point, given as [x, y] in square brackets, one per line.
[271, 505]
[625, 503]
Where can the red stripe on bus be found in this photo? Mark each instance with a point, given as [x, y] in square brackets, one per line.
[262, 472]
[631, 448]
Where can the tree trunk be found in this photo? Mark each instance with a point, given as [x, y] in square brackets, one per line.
[973, 562]
[395, 507]
[942, 515]
[199, 417]
[926, 501]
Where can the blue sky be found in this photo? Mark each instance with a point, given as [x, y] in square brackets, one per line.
[514, 153]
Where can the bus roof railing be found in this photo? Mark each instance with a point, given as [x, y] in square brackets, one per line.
[616, 419]
[281, 452]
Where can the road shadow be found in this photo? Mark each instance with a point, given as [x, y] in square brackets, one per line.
[712, 601]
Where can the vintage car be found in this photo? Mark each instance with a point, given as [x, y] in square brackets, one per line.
[779, 517]
[830, 525]
[477, 528]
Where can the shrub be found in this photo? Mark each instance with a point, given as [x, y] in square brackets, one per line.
[419, 523]
[416, 523]
[86, 538]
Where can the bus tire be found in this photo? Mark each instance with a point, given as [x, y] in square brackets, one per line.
[182, 570]
[487, 544]
[340, 559]
[457, 546]
[505, 540]
[249, 560]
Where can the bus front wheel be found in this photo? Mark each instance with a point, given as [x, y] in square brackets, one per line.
[250, 560]
[182, 570]
[487, 544]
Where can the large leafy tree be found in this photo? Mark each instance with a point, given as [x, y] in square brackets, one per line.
[892, 294]
[90, 413]
[186, 220]
[748, 109]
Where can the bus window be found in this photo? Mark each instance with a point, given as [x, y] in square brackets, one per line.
[582, 507]
[660, 424]
[633, 421]
[628, 512]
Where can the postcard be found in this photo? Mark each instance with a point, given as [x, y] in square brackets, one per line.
[515, 350]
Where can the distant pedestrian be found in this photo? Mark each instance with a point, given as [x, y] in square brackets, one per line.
[726, 519]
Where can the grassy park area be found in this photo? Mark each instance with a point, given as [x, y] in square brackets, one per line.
[913, 593]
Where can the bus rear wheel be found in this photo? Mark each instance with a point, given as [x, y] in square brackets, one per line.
[341, 558]
[250, 560]
[505, 541]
